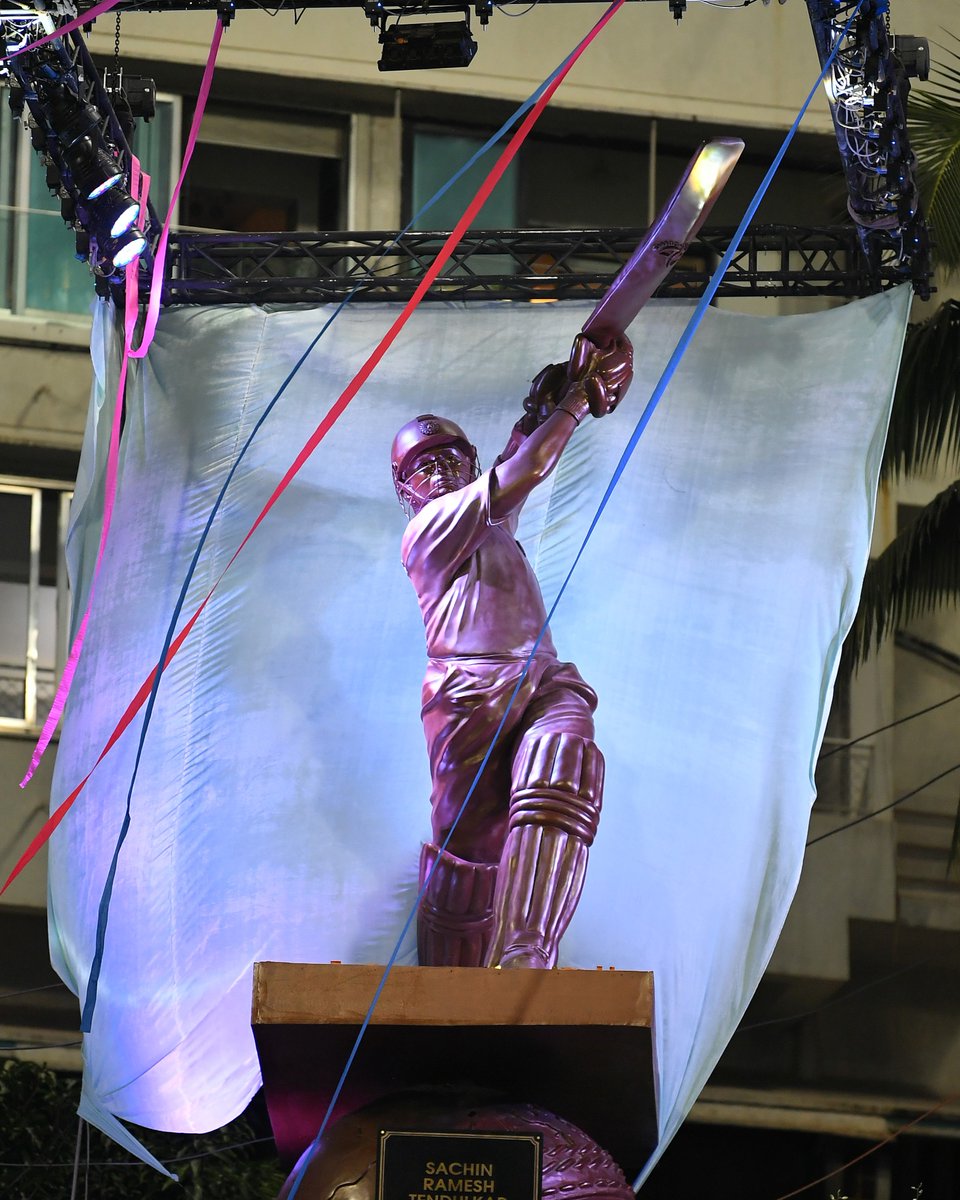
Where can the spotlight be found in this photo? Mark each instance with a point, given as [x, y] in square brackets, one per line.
[138, 93]
[94, 170]
[70, 118]
[414, 47]
[914, 53]
[115, 210]
[129, 247]
[125, 219]
[113, 254]
[76, 126]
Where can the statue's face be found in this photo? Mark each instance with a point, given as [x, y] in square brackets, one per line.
[437, 471]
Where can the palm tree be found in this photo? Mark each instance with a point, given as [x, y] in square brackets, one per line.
[920, 569]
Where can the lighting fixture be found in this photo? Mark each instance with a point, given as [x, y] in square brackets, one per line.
[94, 169]
[115, 253]
[913, 53]
[77, 128]
[415, 46]
[128, 247]
[115, 210]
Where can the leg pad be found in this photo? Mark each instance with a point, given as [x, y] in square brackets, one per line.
[554, 813]
[558, 782]
[455, 920]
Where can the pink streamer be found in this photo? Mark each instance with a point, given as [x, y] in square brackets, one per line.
[140, 190]
[156, 284]
[138, 181]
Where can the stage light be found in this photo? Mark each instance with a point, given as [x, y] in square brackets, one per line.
[130, 247]
[420, 46]
[114, 253]
[94, 170]
[77, 128]
[115, 210]
[125, 219]
[136, 93]
[913, 53]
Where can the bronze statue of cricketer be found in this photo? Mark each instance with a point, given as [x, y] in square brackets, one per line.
[505, 889]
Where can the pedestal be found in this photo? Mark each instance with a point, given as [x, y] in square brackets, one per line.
[579, 1043]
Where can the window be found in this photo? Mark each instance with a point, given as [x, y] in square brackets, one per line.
[34, 597]
[599, 174]
[264, 174]
[437, 156]
[38, 270]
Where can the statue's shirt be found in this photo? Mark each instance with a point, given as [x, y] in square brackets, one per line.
[478, 594]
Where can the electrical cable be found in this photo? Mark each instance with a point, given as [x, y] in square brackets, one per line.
[219, 1150]
[886, 807]
[130, 1162]
[76, 1160]
[892, 725]
[873, 1149]
[135, 1162]
[814, 1012]
[85, 18]
[502, 8]
[27, 991]
[37, 1046]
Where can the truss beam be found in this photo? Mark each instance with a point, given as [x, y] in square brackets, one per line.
[533, 265]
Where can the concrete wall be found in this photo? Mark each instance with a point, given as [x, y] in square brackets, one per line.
[24, 812]
[750, 67]
[46, 386]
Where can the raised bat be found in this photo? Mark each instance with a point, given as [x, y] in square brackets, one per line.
[665, 241]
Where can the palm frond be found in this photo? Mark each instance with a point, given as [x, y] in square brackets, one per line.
[925, 421]
[918, 572]
[935, 137]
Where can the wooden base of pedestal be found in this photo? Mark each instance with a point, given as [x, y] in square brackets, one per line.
[579, 1043]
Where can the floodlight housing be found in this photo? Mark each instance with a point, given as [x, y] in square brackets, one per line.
[128, 247]
[114, 211]
[420, 46]
[913, 53]
[94, 169]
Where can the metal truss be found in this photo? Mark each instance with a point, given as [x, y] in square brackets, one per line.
[532, 265]
[226, 8]
[867, 88]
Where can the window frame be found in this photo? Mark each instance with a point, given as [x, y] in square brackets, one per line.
[35, 487]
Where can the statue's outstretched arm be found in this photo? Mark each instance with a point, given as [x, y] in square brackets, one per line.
[594, 383]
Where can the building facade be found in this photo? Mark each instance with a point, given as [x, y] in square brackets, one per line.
[855, 1029]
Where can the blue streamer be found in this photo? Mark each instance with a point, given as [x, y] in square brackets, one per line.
[668, 373]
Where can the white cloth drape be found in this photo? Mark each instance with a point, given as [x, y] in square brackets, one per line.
[281, 799]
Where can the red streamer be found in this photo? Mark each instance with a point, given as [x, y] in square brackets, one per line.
[332, 416]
